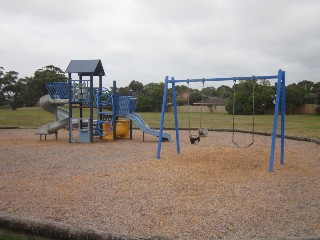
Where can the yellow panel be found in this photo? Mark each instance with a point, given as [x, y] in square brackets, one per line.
[123, 129]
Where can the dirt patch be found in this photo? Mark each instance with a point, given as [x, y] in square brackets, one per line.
[211, 190]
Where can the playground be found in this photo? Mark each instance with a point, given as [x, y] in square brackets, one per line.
[95, 175]
[210, 190]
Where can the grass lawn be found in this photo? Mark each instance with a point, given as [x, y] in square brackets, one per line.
[296, 125]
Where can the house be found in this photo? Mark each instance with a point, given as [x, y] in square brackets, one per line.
[214, 101]
[210, 104]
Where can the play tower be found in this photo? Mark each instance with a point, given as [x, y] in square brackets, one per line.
[114, 114]
[81, 95]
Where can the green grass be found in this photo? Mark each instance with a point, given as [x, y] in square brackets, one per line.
[296, 125]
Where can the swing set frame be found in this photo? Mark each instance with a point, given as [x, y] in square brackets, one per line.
[279, 102]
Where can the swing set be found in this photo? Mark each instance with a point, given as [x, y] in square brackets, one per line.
[195, 138]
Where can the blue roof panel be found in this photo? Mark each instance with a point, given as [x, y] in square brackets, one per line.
[86, 67]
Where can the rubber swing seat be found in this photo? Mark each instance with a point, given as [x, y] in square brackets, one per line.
[194, 139]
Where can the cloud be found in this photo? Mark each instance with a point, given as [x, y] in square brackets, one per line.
[147, 40]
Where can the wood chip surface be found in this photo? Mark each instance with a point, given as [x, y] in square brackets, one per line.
[211, 190]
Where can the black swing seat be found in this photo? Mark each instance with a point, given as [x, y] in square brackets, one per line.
[194, 139]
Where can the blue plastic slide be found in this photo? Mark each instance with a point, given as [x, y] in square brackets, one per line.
[144, 127]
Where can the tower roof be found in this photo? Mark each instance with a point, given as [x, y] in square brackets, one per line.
[86, 67]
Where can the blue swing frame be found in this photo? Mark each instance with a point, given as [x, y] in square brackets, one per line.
[280, 99]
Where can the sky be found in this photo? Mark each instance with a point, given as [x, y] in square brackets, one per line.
[146, 40]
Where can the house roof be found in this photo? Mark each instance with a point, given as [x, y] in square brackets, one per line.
[315, 91]
[215, 101]
[86, 67]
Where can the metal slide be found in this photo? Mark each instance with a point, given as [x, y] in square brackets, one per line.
[62, 115]
[141, 124]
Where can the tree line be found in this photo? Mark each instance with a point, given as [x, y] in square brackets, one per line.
[19, 92]
[25, 92]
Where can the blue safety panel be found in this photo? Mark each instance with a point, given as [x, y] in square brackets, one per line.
[58, 90]
[126, 104]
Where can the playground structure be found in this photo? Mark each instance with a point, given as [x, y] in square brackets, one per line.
[279, 99]
[114, 114]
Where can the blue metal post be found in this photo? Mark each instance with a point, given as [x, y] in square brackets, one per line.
[174, 101]
[80, 104]
[163, 109]
[99, 117]
[91, 109]
[275, 121]
[114, 109]
[283, 115]
[70, 107]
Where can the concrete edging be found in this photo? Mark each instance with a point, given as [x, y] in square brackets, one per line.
[55, 230]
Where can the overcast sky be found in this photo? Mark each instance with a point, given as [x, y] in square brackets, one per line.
[146, 40]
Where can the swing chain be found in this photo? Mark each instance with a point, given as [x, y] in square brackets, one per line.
[233, 107]
[253, 105]
[193, 139]
[253, 114]
[189, 108]
[201, 104]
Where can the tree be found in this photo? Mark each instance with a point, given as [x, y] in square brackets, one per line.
[243, 102]
[36, 86]
[12, 89]
[306, 85]
[264, 82]
[195, 96]
[151, 98]
[2, 97]
[180, 89]
[209, 92]
[316, 85]
[1, 77]
[136, 87]
[224, 91]
[124, 91]
[28, 96]
[264, 96]
[294, 97]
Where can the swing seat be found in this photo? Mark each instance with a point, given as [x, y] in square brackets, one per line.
[203, 132]
[194, 139]
[239, 146]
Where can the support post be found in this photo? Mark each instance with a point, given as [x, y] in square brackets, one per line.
[175, 111]
[130, 122]
[163, 109]
[130, 129]
[91, 110]
[99, 110]
[283, 114]
[275, 121]
[80, 104]
[114, 109]
[70, 107]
